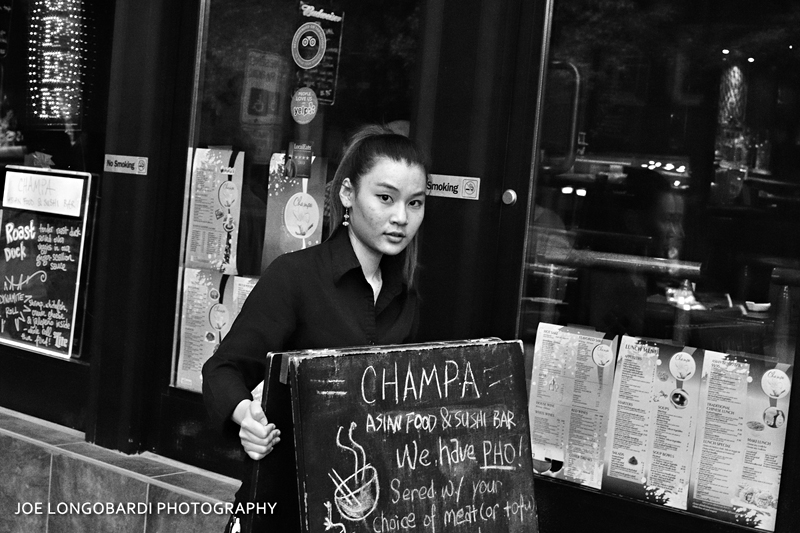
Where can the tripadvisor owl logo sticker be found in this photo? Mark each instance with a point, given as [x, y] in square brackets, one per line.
[309, 45]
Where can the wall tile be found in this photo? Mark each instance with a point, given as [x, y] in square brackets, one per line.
[47, 433]
[200, 484]
[134, 463]
[25, 475]
[75, 481]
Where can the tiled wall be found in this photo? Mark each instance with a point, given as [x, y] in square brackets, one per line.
[51, 481]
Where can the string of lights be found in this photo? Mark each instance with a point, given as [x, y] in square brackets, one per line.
[56, 62]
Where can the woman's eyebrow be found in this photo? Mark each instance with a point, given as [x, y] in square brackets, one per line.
[386, 185]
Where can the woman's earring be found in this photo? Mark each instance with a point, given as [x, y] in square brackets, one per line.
[346, 221]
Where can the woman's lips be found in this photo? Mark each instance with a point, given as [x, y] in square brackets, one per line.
[395, 237]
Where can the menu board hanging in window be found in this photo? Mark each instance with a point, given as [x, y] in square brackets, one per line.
[43, 236]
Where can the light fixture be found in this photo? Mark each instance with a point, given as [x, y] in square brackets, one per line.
[580, 192]
[566, 190]
[726, 51]
[56, 57]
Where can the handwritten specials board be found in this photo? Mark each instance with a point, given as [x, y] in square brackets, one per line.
[429, 437]
[43, 236]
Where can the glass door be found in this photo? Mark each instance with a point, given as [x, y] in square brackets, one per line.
[663, 224]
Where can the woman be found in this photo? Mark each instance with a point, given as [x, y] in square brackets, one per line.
[354, 289]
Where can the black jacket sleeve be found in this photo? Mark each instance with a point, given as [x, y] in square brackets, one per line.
[265, 323]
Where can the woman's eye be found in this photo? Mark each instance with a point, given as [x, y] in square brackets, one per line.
[385, 198]
[416, 203]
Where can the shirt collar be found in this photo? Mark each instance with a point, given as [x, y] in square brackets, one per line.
[343, 260]
[343, 257]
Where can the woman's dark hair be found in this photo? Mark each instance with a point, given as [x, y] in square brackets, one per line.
[366, 147]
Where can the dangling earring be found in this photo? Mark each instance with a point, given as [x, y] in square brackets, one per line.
[346, 221]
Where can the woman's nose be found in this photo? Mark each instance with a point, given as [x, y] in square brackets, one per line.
[399, 215]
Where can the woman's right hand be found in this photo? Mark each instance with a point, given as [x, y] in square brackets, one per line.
[258, 436]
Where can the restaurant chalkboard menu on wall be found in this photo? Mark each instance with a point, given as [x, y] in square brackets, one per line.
[43, 236]
[429, 437]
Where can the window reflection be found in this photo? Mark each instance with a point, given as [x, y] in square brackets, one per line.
[686, 152]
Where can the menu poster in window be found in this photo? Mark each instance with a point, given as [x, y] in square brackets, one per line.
[573, 372]
[44, 220]
[295, 204]
[267, 80]
[316, 48]
[421, 437]
[739, 451]
[211, 302]
[214, 209]
[655, 406]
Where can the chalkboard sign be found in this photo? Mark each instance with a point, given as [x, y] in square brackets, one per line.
[43, 237]
[431, 437]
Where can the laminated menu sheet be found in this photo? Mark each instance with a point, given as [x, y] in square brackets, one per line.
[681, 427]
[573, 370]
[211, 302]
[738, 455]
[214, 209]
[295, 207]
[655, 406]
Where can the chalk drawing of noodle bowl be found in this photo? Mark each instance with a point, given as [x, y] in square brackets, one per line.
[356, 495]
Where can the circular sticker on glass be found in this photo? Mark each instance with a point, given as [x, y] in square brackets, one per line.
[601, 355]
[682, 366]
[301, 215]
[227, 193]
[775, 383]
[304, 105]
[308, 45]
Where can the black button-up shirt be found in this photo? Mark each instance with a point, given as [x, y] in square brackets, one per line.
[310, 299]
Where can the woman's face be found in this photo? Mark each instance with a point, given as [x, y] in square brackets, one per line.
[387, 206]
[668, 218]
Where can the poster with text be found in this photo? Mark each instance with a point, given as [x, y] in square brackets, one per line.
[738, 457]
[655, 406]
[573, 371]
[211, 302]
[265, 96]
[214, 210]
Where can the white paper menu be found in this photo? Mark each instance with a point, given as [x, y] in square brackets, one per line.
[214, 210]
[654, 410]
[738, 456]
[571, 382]
[211, 302]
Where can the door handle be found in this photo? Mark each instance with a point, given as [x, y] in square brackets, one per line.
[509, 197]
[572, 152]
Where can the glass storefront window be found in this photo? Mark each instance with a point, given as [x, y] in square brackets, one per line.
[664, 219]
[677, 185]
[280, 86]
